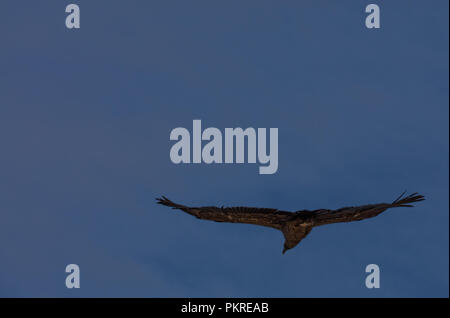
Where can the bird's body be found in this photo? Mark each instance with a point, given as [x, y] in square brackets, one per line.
[294, 225]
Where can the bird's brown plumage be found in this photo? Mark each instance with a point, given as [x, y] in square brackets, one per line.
[294, 225]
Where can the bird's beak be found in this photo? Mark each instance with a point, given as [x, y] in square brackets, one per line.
[284, 250]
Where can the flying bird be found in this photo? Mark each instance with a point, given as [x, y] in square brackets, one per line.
[295, 226]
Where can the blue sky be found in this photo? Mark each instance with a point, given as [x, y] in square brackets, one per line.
[85, 118]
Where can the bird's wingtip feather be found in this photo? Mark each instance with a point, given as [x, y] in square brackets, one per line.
[403, 201]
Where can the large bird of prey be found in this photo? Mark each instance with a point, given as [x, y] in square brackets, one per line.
[294, 225]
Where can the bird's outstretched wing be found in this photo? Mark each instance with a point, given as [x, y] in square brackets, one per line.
[349, 214]
[258, 216]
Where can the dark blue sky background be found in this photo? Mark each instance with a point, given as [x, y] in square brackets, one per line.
[85, 117]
